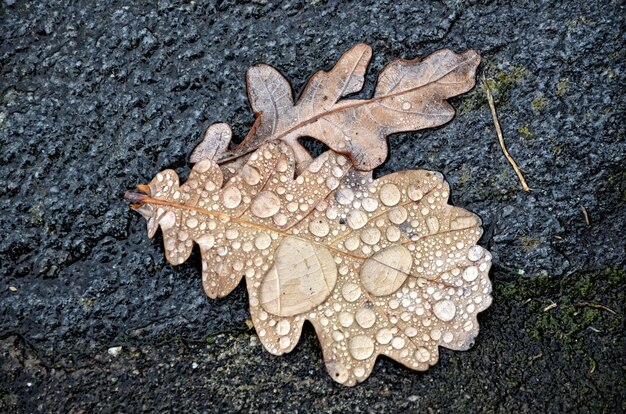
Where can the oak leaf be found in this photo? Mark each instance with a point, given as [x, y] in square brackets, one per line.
[379, 267]
[409, 95]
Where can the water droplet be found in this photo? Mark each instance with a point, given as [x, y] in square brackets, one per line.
[390, 194]
[370, 236]
[302, 277]
[262, 241]
[231, 234]
[435, 334]
[393, 233]
[414, 193]
[365, 317]
[410, 331]
[351, 291]
[385, 272]
[384, 336]
[337, 371]
[370, 204]
[357, 219]
[192, 222]
[398, 342]
[346, 319]
[337, 336]
[250, 175]
[398, 215]
[332, 183]
[265, 204]
[206, 242]
[344, 196]
[283, 327]
[319, 227]
[280, 219]
[361, 347]
[332, 213]
[470, 273]
[281, 165]
[445, 310]
[351, 244]
[168, 220]
[231, 197]
[422, 354]
[475, 253]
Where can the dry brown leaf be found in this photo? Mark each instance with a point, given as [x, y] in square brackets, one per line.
[410, 95]
[214, 143]
[379, 267]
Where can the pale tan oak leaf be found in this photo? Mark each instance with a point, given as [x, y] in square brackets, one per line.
[379, 267]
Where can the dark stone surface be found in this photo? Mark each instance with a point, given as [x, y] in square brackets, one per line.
[99, 96]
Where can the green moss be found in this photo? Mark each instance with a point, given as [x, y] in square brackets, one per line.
[562, 88]
[585, 302]
[585, 287]
[505, 79]
[580, 21]
[465, 177]
[587, 21]
[500, 82]
[87, 303]
[525, 288]
[473, 100]
[525, 132]
[530, 243]
[539, 104]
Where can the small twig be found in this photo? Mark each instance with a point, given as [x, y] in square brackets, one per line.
[501, 138]
[550, 306]
[585, 214]
[535, 357]
[597, 306]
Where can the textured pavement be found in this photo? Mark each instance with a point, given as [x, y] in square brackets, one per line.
[99, 96]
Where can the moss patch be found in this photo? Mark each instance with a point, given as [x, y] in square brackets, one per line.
[562, 88]
[501, 82]
[525, 132]
[539, 104]
[586, 304]
[530, 243]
